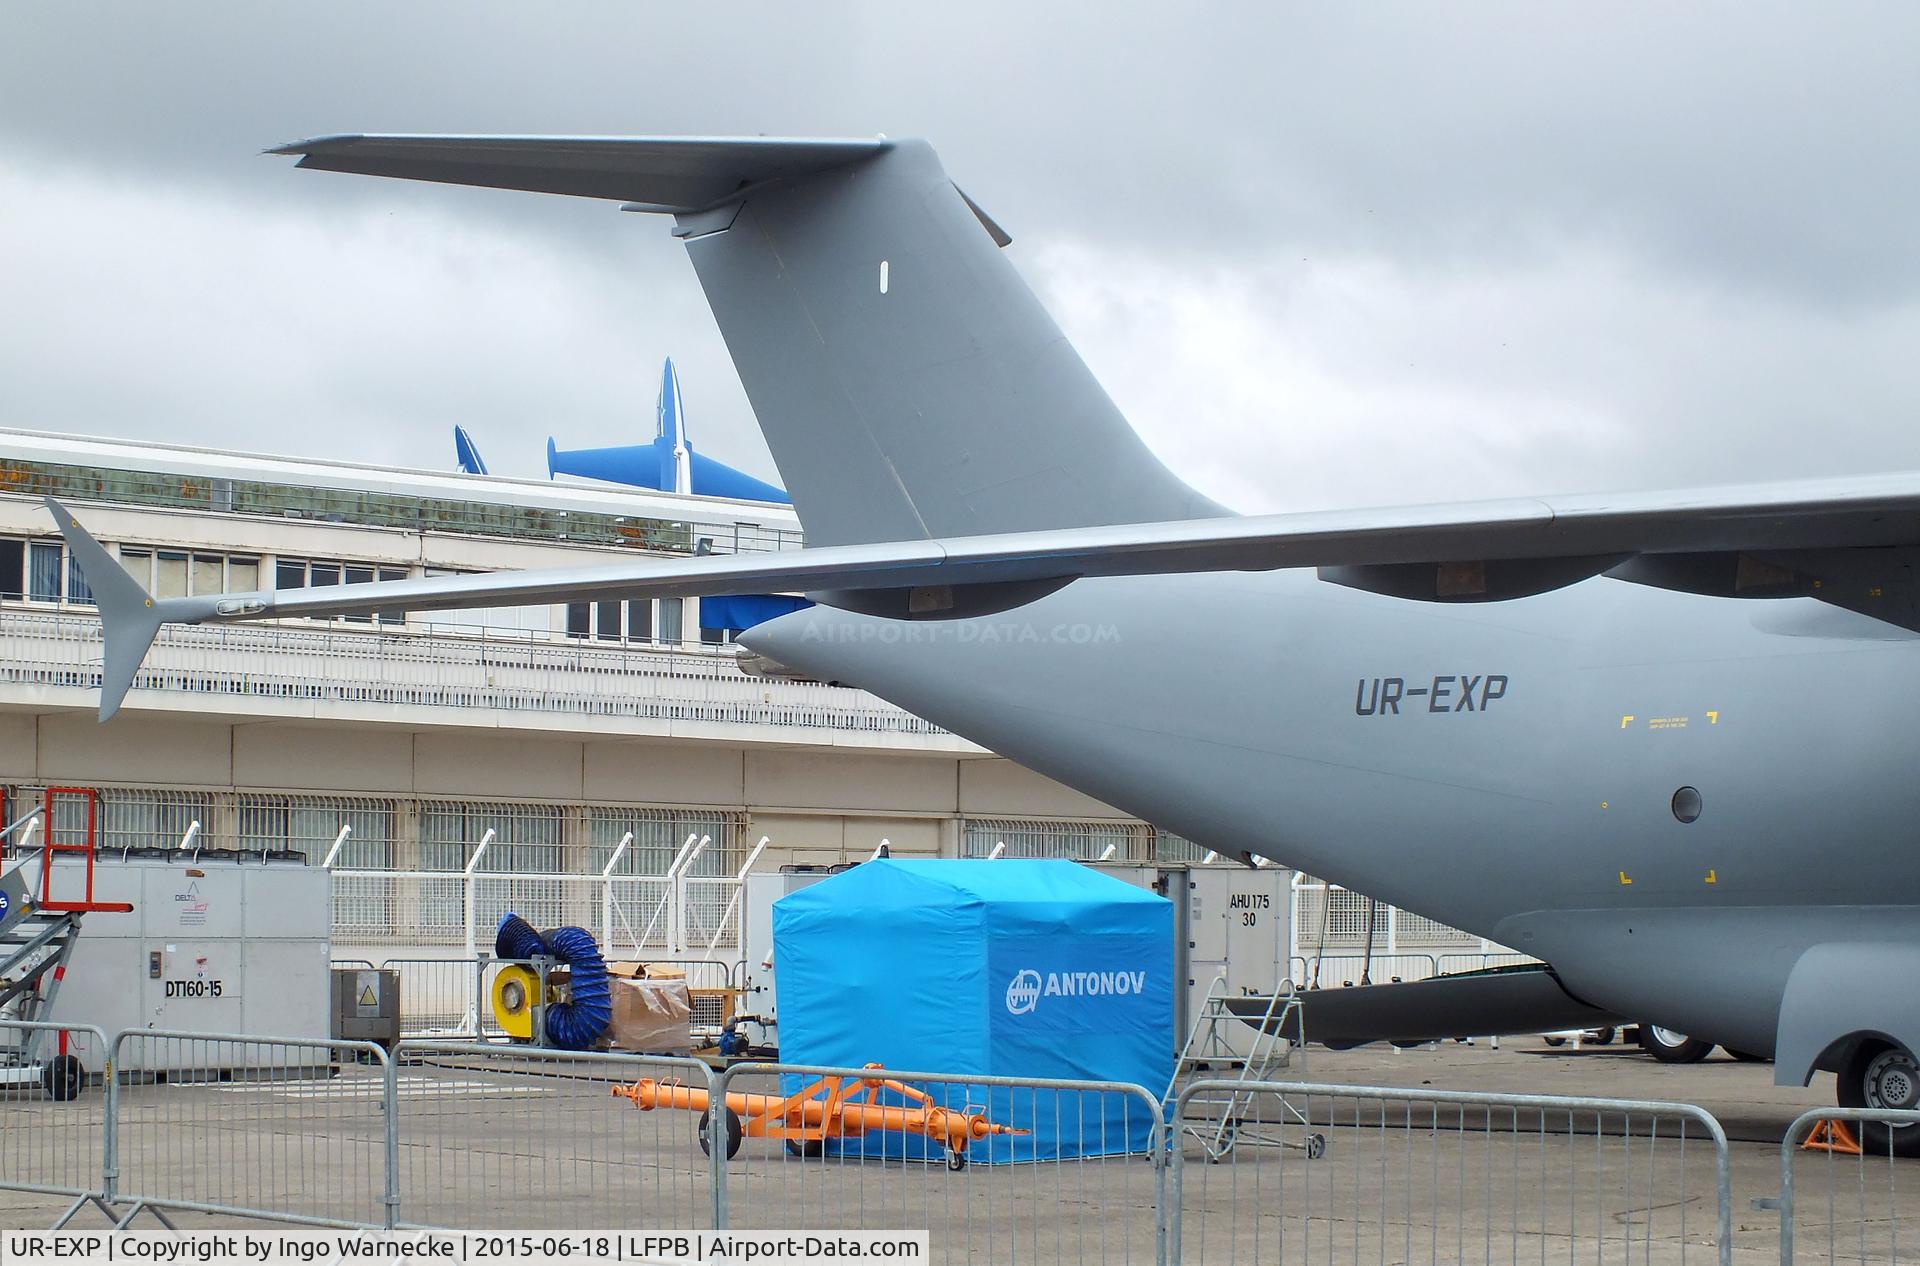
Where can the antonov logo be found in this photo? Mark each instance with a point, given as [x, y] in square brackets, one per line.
[1023, 991]
[1027, 987]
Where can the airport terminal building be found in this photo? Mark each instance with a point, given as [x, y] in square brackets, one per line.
[576, 741]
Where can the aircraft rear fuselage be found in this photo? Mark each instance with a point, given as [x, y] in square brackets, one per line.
[1512, 769]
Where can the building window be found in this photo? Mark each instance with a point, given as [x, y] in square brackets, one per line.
[307, 573]
[132, 817]
[528, 845]
[167, 573]
[42, 571]
[615, 621]
[13, 569]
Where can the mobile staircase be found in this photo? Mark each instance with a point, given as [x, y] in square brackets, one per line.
[1222, 1119]
[38, 931]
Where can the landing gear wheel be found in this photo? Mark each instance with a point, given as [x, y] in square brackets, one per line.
[1603, 1037]
[733, 1134]
[1316, 1146]
[63, 1077]
[956, 1161]
[1882, 1076]
[807, 1148]
[1672, 1048]
[1554, 1041]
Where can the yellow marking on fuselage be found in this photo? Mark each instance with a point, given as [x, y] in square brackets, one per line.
[1626, 720]
[1713, 718]
[1624, 879]
[1713, 877]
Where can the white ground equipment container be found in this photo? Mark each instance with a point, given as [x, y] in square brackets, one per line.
[756, 940]
[213, 944]
[1234, 921]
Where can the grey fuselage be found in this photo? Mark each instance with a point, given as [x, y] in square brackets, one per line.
[1507, 768]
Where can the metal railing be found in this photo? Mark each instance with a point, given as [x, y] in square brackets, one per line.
[1088, 1183]
[518, 1137]
[507, 674]
[1379, 1174]
[53, 1122]
[408, 511]
[1331, 971]
[1862, 1206]
[458, 1133]
[296, 1130]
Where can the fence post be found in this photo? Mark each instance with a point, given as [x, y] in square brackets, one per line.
[1166, 1218]
[717, 1143]
[467, 902]
[390, 1089]
[110, 1130]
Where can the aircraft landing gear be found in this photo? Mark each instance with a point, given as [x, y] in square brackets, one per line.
[1673, 1048]
[1881, 1075]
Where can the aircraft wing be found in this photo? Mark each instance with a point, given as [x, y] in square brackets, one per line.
[1848, 541]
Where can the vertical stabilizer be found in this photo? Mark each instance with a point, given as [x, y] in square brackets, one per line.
[908, 381]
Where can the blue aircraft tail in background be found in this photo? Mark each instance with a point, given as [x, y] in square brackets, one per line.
[467, 453]
[668, 464]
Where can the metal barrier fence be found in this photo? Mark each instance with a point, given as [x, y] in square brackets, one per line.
[1088, 1184]
[443, 996]
[293, 1130]
[517, 1137]
[448, 997]
[1333, 971]
[459, 1133]
[1405, 1175]
[1858, 1207]
[53, 1121]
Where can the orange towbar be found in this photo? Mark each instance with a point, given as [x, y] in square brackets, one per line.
[832, 1107]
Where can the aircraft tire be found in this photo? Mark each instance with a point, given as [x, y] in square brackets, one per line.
[1603, 1036]
[1881, 1075]
[1673, 1048]
[734, 1133]
[63, 1078]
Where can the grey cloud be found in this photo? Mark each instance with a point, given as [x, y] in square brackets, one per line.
[1471, 249]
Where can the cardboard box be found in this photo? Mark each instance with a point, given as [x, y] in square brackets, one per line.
[649, 1016]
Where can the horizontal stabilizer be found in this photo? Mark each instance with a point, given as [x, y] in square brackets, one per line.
[129, 619]
[931, 579]
[683, 174]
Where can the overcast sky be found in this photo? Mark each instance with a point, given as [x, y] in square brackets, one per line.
[1321, 255]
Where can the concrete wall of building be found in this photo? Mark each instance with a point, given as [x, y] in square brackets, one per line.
[816, 806]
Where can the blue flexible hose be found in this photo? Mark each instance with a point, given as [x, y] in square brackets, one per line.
[515, 938]
[575, 1025]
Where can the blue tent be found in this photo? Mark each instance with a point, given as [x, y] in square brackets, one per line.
[1011, 968]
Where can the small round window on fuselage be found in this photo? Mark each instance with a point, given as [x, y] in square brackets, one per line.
[1686, 804]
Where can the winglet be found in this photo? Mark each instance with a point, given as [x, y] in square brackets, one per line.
[129, 618]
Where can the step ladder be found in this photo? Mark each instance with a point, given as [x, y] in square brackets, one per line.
[39, 929]
[1230, 1115]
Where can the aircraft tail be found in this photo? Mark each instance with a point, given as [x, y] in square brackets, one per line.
[908, 382]
[129, 619]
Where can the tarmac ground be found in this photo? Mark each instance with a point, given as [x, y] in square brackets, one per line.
[499, 1146]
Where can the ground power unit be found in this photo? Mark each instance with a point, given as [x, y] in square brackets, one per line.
[213, 944]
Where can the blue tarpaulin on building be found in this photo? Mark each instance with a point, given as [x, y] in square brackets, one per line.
[1011, 968]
